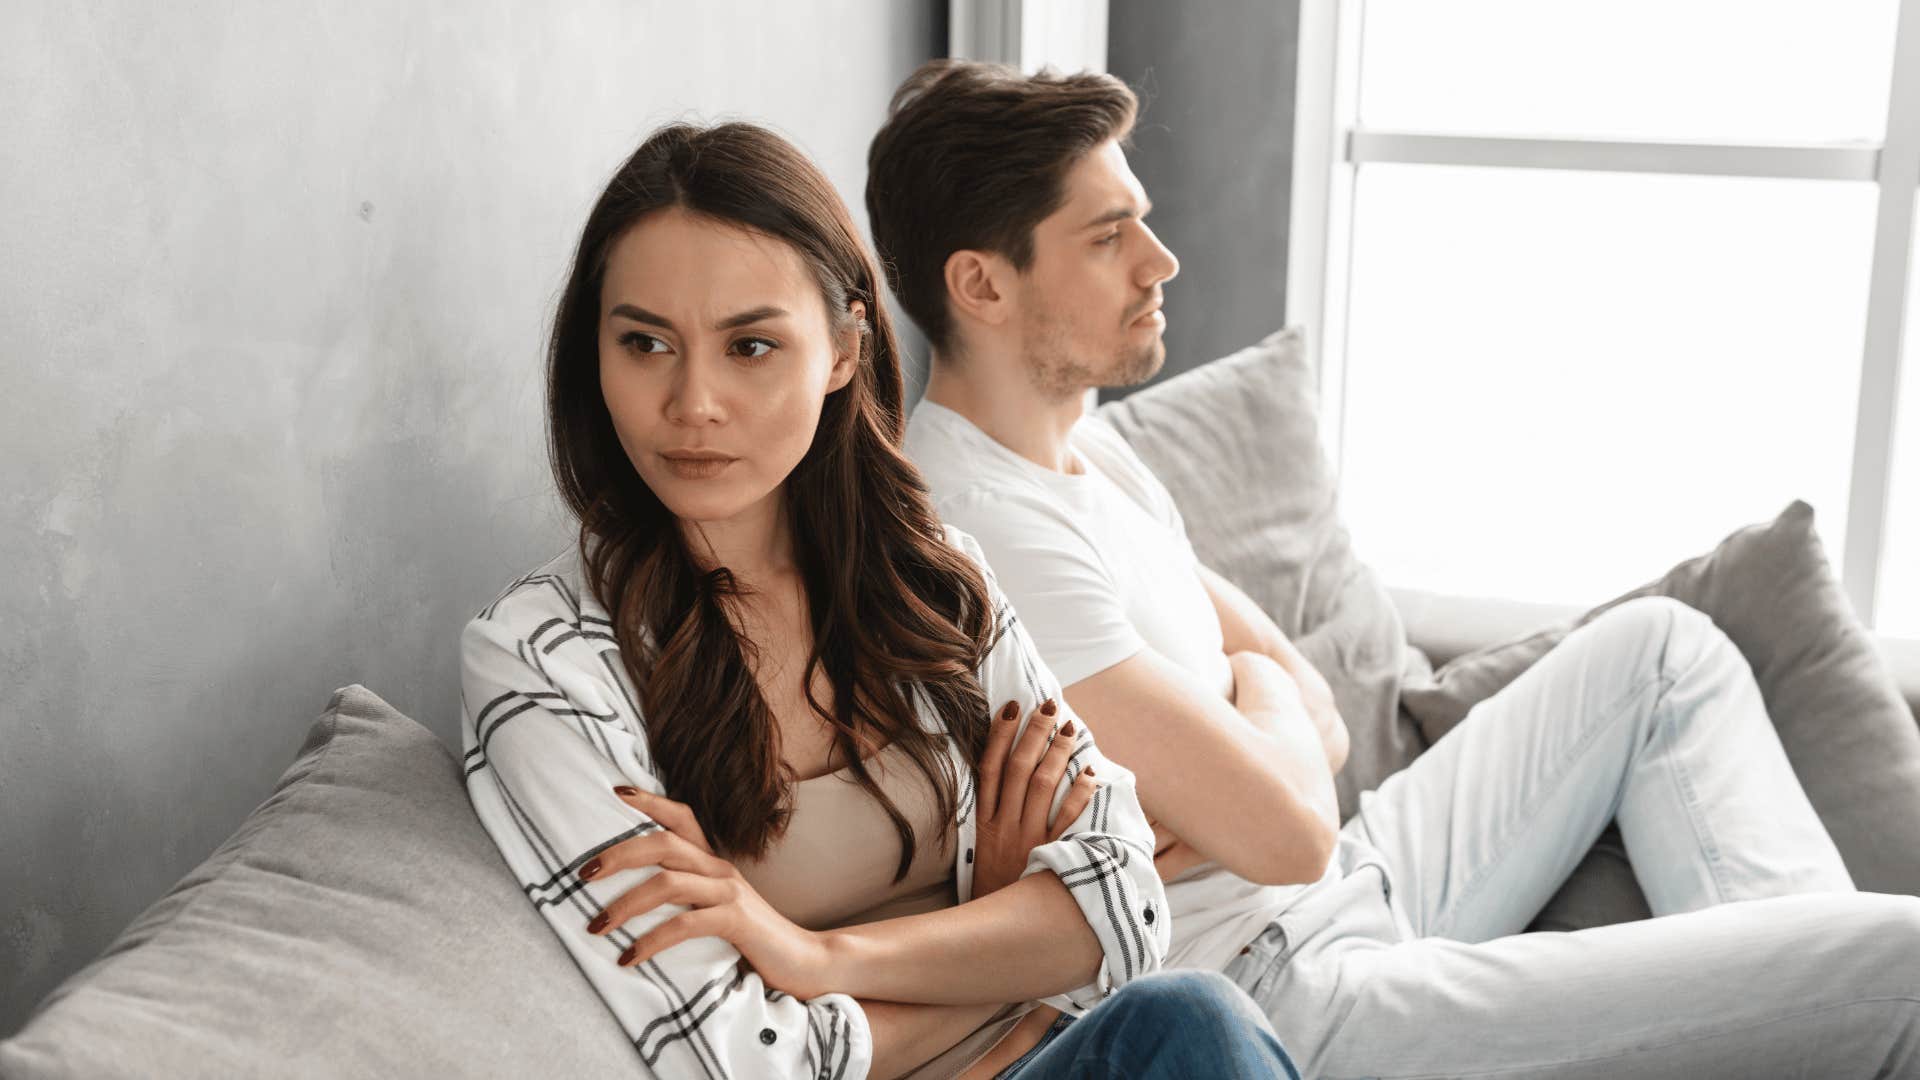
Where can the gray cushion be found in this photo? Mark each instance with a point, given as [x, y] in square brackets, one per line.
[1237, 442]
[1840, 715]
[358, 923]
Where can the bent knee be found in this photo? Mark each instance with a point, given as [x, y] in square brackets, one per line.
[1666, 634]
[1889, 922]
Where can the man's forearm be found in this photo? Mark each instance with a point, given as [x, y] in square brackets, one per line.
[1302, 754]
[1024, 942]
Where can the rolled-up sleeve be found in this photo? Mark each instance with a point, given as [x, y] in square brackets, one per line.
[548, 730]
[1105, 858]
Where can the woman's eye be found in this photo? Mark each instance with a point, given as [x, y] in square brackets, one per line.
[753, 348]
[639, 342]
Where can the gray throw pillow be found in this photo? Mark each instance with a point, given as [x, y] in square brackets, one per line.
[1847, 730]
[358, 923]
[1237, 443]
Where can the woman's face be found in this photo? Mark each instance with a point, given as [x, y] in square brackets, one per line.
[715, 358]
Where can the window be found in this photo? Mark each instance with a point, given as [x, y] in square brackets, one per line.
[1594, 285]
[1899, 607]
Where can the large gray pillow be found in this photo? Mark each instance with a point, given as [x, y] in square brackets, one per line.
[1237, 443]
[359, 923]
[1841, 717]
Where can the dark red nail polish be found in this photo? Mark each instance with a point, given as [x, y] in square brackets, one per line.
[1011, 712]
[1067, 729]
[627, 957]
[587, 871]
[1088, 771]
[1049, 708]
[626, 789]
[597, 923]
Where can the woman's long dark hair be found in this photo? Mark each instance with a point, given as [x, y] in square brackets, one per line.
[896, 611]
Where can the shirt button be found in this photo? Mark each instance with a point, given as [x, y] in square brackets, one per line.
[1149, 916]
[767, 1036]
[969, 856]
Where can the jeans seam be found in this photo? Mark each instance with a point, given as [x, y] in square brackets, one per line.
[1511, 1069]
[1530, 814]
[1683, 782]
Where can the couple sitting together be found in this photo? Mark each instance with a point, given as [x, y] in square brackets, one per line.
[848, 745]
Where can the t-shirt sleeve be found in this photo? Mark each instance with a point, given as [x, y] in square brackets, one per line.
[1066, 596]
[547, 731]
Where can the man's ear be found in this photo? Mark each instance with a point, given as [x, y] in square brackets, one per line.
[847, 361]
[977, 286]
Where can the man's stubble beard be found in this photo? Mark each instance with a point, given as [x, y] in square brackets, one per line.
[1058, 374]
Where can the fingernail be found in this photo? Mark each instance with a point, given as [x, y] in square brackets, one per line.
[1067, 728]
[597, 923]
[627, 956]
[626, 789]
[587, 871]
[1012, 711]
[1049, 708]
[1088, 771]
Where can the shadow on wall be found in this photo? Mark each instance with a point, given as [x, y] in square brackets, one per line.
[275, 317]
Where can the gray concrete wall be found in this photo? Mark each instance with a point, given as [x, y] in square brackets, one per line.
[1215, 152]
[272, 300]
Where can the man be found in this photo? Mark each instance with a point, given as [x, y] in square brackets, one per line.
[1016, 235]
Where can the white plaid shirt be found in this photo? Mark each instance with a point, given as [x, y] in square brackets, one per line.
[551, 725]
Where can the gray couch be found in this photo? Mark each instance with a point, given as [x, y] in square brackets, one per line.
[359, 922]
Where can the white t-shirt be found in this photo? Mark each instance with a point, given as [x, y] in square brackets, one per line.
[1098, 566]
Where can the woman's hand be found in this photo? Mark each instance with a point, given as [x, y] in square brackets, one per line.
[723, 903]
[1017, 782]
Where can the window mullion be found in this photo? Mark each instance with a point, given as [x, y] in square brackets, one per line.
[1899, 178]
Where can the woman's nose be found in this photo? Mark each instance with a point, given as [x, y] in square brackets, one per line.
[694, 397]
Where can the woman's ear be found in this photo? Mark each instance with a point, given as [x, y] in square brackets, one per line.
[846, 361]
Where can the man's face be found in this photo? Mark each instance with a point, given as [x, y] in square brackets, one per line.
[1089, 303]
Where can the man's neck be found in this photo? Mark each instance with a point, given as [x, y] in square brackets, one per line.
[1011, 413]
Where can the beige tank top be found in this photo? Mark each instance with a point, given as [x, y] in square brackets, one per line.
[835, 864]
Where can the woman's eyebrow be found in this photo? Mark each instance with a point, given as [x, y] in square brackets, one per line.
[750, 316]
[744, 318]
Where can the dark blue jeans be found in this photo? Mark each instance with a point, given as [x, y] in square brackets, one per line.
[1172, 1024]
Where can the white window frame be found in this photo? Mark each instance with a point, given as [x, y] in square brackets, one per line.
[1330, 145]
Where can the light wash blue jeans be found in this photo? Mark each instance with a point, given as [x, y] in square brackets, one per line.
[1170, 1025]
[1762, 960]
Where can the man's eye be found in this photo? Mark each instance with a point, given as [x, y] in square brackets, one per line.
[753, 348]
[639, 342]
[1109, 238]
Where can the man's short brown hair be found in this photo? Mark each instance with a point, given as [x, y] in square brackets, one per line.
[971, 158]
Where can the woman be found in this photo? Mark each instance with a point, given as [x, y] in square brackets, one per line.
[737, 747]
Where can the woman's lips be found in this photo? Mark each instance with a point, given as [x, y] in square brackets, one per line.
[702, 465]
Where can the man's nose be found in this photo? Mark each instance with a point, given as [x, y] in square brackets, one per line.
[1160, 264]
